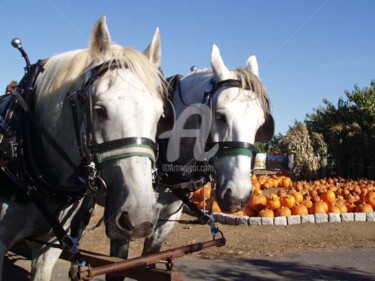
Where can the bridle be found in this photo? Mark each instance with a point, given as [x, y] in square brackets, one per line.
[92, 152]
[227, 148]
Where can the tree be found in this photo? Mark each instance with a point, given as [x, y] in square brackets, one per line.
[349, 131]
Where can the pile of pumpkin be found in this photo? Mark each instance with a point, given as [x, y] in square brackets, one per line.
[277, 195]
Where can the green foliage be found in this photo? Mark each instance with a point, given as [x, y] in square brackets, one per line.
[275, 144]
[349, 131]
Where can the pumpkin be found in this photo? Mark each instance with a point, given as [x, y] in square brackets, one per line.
[283, 212]
[300, 210]
[342, 207]
[273, 203]
[266, 213]
[307, 203]
[298, 196]
[329, 197]
[370, 198]
[286, 182]
[364, 208]
[288, 201]
[318, 208]
[257, 191]
[249, 212]
[282, 193]
[215, 207]
[332, 208]
[258, 202]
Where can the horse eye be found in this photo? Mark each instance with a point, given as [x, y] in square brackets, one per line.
[100, 111]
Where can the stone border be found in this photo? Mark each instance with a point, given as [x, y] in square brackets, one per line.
[292, 220]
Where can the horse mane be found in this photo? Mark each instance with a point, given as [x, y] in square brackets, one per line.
[248, 80]
[252, 82]
[66, 72]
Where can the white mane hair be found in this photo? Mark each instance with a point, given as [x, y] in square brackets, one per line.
[249, 81]
[65, 73]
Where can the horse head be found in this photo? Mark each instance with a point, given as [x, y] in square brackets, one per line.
[241, 117]
[123, 103]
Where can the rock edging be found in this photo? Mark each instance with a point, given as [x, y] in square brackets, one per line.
[295, 219]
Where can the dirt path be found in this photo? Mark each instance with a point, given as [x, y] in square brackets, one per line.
[255, 241]
[329, 251]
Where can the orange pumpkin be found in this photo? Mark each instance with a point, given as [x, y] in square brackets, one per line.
[364, 208]
[307, 203]
[283, 212]
[249, 212]
[332, 208]
[266, 213]
[215, 207]
[318, 208]
[300, 210]
[282, 193]
[258, 202]
[329, 197]
[342, 207]
[288, 201]
[370, 198]
[286, 182]
[257, 191]
[298, 196]
[273, 203]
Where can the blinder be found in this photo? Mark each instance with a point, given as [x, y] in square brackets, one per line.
[266, 131]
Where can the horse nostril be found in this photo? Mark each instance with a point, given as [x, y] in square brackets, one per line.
[228, 194]
[123, 221]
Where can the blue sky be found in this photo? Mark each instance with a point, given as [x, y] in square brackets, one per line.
[307, 50]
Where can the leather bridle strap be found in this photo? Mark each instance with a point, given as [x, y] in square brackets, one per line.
[233, 148]
[229, 83]
[125, 147]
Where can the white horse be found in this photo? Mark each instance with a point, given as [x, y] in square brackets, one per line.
[235, 115]
[123, 93]
[240, 111]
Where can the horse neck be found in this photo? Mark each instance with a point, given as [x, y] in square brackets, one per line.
[54, 115]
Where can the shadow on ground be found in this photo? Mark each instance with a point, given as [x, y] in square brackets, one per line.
[13, 271]
[259, 269]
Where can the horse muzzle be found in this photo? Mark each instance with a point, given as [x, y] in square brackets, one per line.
[230, 203]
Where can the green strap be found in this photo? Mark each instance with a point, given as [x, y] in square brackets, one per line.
[126, 151]
[234, 151]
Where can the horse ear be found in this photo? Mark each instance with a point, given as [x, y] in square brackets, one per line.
[266, 131]
[221, 72]
[252, 65]
[153, 51]
[100, 40]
